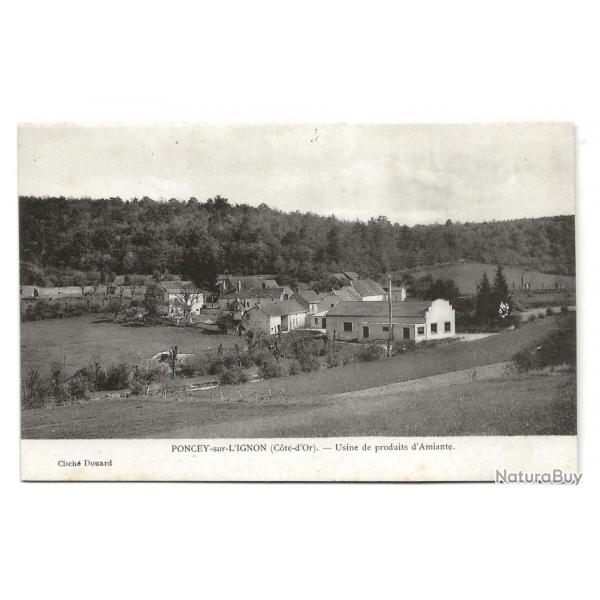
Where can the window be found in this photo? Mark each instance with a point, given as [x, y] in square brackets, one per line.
[331, 305]
[447, 326]
[420, 330]
[434, 328]
[316, 321]
[385, 328]
[347, 326]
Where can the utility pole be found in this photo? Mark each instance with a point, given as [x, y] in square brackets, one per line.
[390, 326]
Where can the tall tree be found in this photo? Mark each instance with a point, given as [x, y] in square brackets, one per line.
[199, 265]
[485, 300]
[501, 291]
[154, 300]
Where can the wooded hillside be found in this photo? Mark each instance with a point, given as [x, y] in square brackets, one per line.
[62, 240]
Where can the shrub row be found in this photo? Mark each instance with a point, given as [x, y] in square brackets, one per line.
[559, 347]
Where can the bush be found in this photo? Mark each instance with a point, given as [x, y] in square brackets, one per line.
[230, 361]
[116, 377]
[532, 318]
[370, 352]
[308, 363]
[150, 373]
[403, 346]
[78, 387]
[557, 348]
[232, 375]
[245, 360]
[549, 312]
[293, 367]
[260, 356]
[332, 361]
[541, 315]
[514, 320]
[270, 368]
[564, 310]
[34, 390]
[525, 360]
[195, 365]
[216, 366]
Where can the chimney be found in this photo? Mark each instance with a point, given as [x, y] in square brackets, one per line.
[239, 286]
[402, 294]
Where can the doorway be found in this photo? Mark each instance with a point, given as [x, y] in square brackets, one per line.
[406, 333]
[365, 331]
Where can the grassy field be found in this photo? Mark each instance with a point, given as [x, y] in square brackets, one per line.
[527, 405]
[467, 276]
[310, 405]
[81, 339]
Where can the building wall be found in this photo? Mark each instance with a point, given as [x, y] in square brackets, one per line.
[328, 302]
[247, 302]
[378, 327]
[439, 313]
[196, 302]
[316, 321]
[257, 321]
[294, 321]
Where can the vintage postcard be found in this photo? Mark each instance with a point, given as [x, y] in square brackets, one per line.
[302, 302]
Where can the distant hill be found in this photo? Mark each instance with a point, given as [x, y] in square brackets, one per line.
[68, 242]
[466, 276]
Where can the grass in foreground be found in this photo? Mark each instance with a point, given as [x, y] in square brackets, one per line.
[531, 404]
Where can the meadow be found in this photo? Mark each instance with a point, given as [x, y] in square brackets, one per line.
[311, 404]
[466, 276]
[76, 341]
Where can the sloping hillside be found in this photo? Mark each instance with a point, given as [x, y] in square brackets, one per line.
[466, 276]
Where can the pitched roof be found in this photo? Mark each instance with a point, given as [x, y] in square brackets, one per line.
[274, 309]
[409, 308]
[308, 295]
[368, 287]
[175, 286]
[350, 274]
[347, 293]
[254, 293]
[251, 281]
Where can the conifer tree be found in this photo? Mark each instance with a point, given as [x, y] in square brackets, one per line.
[501, 292]
[485, 300]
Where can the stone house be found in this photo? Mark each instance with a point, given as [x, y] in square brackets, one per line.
[274, 317]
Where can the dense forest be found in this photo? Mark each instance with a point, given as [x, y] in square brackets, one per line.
[64, 241]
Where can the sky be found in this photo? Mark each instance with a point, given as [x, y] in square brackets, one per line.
[409, 173]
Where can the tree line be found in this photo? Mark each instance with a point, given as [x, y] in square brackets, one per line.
[68, 241]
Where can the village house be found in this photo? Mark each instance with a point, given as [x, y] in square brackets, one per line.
[345, 277]
[251, 297]
[309, 299]
[411, 320]
[228, 283]
[398, 293]
[183, 297]
[345, 294]
[369, 290]
[274, 317]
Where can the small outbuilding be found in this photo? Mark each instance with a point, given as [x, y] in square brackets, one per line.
[274, 317]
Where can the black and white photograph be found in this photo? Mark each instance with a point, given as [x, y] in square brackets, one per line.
[297, 281]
